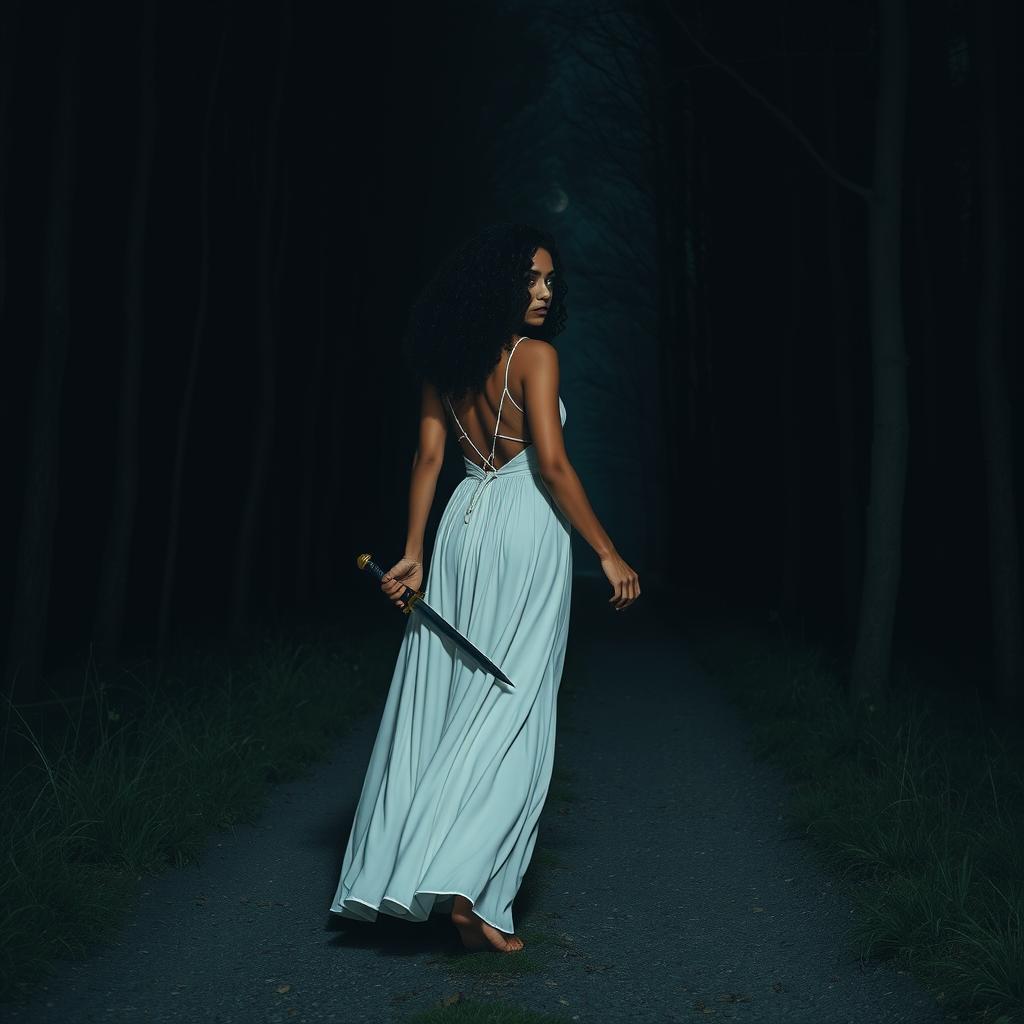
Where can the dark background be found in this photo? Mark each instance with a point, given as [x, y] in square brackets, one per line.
[694, 229]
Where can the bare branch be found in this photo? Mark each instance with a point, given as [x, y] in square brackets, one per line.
[855, 187]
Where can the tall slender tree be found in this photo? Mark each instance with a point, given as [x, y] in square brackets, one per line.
[994, 399]
[280, 547]
[112, 593]
[337, 374]
[184, 423]
[850, 520]
[9, 25]
[266, 398]
[42, 484]
[303, 551]
[883, 551]
[790, 393]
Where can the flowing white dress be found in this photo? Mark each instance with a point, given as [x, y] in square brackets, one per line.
[461, 765]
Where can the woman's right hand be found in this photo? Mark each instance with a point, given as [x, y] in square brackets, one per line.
[625, 582]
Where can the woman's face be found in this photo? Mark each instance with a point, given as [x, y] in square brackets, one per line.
[540, 279]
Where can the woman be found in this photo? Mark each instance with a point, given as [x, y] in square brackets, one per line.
[459, 772]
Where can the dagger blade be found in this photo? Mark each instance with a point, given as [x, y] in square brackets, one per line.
[414, 600]
[460, 639]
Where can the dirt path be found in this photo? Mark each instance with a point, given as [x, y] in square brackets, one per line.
[666, 890]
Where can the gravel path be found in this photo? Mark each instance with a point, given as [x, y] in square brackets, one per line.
[666, 890]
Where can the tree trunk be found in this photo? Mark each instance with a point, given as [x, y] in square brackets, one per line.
[996, 417]
[304, 550]
[338, 478]
[277, 547]
[929, 354]
[703, 323]
[668, 342]
[890, 427]
[263, 433]
[192, 372]
[792, 527]
[108, 624]
[42, 483]
[851, 534]
[685, 327]
[8, 47]
[789, 393]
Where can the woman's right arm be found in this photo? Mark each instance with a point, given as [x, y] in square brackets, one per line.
[540, 393]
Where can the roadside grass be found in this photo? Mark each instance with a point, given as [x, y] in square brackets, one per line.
[133, 774]
[456, 1008]
[916, 803]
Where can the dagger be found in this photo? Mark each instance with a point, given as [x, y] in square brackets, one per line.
[414, 599]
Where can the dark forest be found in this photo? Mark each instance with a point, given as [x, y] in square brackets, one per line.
[792, 375]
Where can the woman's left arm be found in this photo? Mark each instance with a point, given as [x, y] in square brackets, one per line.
[426, 467]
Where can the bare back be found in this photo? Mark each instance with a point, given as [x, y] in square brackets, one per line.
[495, 418]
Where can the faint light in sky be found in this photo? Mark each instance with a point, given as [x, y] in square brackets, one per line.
[557, 200]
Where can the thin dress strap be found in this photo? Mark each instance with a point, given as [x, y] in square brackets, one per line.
[505, 391]
[489, 460]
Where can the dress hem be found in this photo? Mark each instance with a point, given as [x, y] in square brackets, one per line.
[425, 892]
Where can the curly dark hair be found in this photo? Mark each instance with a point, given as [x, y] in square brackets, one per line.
[473, 305]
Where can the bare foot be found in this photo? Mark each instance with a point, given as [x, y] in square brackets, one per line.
[477, 934]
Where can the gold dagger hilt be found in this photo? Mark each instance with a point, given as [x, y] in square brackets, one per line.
[409, 597]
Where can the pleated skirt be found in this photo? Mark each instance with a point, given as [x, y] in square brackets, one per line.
[461, 765]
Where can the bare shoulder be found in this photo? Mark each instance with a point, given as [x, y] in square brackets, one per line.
[538, 373]
[536, 345]
[540, 355]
